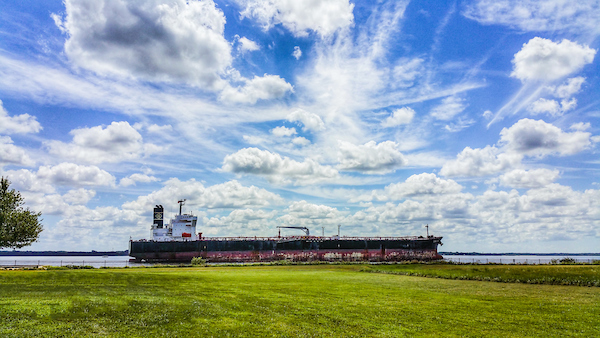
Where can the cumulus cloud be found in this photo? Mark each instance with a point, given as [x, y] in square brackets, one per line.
[12, 154]
[276, 168]
[258, 88]
[580, 126]
[545, 60]
[301, 141]
[242, 221]
[226, 195]
[71, 174]
[400, 116]
[545, 106]
[119, 141]
[525, 138]
[571, 87]
[283, 131]
[416, 186]
[300, 17]
[538, 138]
[302, 213]
[310, 121]
[133, 178]
[175, 40]
[297, 53]
[526, 179]
[536, 15]
[370, 158]
[64, 174]
[247, 45]
[480, 162]
[450, 107]
[18, 124]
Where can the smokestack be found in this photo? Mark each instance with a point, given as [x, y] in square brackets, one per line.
[159, 216]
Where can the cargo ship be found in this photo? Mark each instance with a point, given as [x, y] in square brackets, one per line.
[178, 241]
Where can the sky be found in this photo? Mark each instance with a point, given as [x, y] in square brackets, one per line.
[480, 119]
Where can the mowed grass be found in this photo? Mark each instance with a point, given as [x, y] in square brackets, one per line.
[284, 301]
[582, 275]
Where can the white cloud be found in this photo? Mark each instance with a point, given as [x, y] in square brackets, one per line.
[480, 162]
[370, 158]
[573, 86]
[18, 124]
[242, 222]
[173, 41]
[156, 129]
[71, 174]
[538, 138]
[283, 131]
[258, 88]
[297, 53]
[302, 213]
[12, 154]
[580, 126]
[536, 15]
[276, 168]
[300, 17]
[552, 107]
[310, 121]
[400, 116]
[131, 179]
[543, 59]
[524, 138]
[79, 196]
[300, 141]
[247, 45]
[226, 195]
[450, 107]
[64, 174]
[542, 105]
[406, 71]
[119, 141]
[416, 186]
[459, 125]
[536, 178]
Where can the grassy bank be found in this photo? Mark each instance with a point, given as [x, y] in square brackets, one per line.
[284, 301]
[581, 275]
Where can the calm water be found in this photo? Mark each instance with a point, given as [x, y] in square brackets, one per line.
[122, 261]
[95, 261]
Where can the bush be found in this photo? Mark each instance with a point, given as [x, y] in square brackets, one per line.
[568, 260]
[199, 261]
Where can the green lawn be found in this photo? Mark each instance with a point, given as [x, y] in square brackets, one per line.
[582, 275]
[285, 301]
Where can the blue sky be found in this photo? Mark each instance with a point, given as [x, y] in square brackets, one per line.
[478, 118]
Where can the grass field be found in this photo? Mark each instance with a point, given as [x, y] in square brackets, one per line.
[582, 275]
[285, 301]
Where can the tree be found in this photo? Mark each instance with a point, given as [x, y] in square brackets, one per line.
[19, 227]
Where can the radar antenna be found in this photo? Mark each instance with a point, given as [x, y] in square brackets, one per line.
[181, 203]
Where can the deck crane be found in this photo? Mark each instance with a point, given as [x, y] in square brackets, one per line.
[305, 229]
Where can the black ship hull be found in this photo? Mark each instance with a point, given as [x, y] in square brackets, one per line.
[252, 249]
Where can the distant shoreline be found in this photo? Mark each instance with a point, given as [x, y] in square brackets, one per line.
[65, 253]
[518, 254]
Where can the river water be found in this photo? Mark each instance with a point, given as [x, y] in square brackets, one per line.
[123, 261]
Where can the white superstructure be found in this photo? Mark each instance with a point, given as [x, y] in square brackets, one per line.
[181, 228]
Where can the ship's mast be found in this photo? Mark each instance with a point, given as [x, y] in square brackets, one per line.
[181, 203]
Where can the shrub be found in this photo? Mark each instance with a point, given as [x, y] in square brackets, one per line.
[199, 261]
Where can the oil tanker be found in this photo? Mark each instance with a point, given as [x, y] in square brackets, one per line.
[178, 241]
